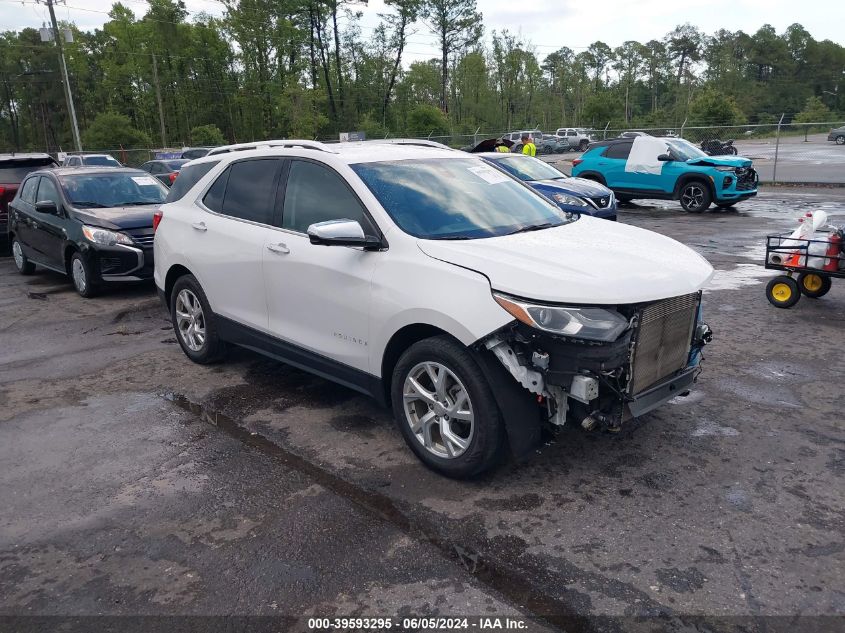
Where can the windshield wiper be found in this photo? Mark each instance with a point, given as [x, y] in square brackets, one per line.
[136, 203]
[533, 227]
[453, 237]
[88, 203]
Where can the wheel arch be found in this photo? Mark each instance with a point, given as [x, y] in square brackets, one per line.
[401, 340]
[594, 176]
[685, 179]
[70, 249]
[173, 274]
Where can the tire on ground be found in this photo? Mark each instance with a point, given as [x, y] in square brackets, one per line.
[814, 285]
[488, 434]
[783, 292]
[695, 196]
[213, 348]
[82, 277]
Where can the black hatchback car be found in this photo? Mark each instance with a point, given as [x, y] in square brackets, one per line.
[92, 224]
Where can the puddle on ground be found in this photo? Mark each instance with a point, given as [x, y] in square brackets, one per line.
[708, 427]
[740, 276]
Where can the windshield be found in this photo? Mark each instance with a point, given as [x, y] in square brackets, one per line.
[105, 161]
[456, 199]
[684, 149]
[528, 168]
[113, 190]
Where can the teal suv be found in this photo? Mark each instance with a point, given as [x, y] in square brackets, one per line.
[648, 167]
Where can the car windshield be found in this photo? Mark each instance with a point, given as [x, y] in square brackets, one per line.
[104, 161]
[13, 171]
[456, 199]
[684, 149]
[528, 168]
[113, 190]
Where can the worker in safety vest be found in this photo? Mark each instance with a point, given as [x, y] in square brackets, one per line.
[528, 146]
[501, 147]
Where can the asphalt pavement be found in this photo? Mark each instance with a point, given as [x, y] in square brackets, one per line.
[133, 482]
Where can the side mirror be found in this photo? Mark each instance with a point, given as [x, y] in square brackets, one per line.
[47, 206]
[665, 158]
[341, 233]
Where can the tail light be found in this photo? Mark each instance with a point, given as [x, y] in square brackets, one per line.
[157, 216]
[577, 162]
[2, 190]
[173, 176]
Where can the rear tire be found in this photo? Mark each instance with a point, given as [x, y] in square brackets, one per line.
[582, 146]
[695, 196]
[814, 285]
[783, 292]
[24, 266]
[840, 140]
[445, 408]
[194, 323]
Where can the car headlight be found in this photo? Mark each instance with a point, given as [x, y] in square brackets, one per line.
[724, 168]
[594, 324]
[564, 198]
[106, 237]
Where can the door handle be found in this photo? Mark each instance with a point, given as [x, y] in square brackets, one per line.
[280, 248]
[200, 226]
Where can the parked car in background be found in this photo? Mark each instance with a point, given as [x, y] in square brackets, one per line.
[552, 144]
[91, 160]
[574, 195]
[516, 137]
[666, 168]
[195, 152]
[13, 169]
[837, 135]
[165, 170]
[518, 315]
[93, 224]
[578, 138]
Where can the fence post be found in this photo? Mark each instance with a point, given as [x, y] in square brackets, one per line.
[683, 125]
[777, 147]
[475, 136]
[604, 134]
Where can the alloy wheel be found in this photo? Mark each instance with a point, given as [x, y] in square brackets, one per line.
[190, 320]
[17, 253]
[438, 409]
[78, 274]
[692, 197]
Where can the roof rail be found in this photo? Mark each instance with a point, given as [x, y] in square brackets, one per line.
[238, 147]
[421, 142]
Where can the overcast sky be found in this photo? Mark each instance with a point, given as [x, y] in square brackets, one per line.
[547, 24]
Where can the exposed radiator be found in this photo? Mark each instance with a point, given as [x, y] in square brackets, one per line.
[662, 340]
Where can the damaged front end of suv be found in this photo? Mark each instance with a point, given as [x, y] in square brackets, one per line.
[599, 366]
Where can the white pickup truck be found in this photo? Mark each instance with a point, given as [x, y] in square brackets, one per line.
[578, 138]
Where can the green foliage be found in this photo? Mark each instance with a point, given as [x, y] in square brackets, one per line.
[207, 136]
[111, 131]
[815, 111]
[711, 107]
[427, 119]
[603, 108]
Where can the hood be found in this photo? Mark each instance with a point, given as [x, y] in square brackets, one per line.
[731, 161]
[588, 261]
[119, 217]
[577, 186]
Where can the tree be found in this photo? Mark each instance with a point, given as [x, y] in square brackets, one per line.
[207, 136]
[684, 45]
[457, 25]
[111, 131]
[406, 14]
[711, 107]
[815, 111]
[426, 120]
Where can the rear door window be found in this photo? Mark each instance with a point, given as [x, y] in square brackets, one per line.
[188, 177]
[618, 150]
[246, 190]
[28, 190]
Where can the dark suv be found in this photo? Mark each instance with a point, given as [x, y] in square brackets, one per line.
[13, 169]
[93, 224]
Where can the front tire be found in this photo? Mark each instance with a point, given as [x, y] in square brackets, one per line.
[783, 292]
[695, 196]
[445, 408]
[840, 140]
[83, 279]
[814, 285]
[24, 266]
[194, 322]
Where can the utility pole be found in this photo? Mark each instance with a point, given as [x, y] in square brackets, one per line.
[68, 97]
[158, 99]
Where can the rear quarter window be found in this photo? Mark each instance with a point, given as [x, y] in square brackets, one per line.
[619, 150]
[188, 177]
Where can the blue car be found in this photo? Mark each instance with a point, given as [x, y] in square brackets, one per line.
[667, 168]
[575, 195]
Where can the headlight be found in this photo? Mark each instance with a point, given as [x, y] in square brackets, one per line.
[105, 237]
[564, 198]
[595, 324]
[724, 168]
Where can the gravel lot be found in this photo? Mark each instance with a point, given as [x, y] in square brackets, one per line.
[135, 482]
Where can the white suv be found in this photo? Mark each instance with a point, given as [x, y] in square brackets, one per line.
[432, 281]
